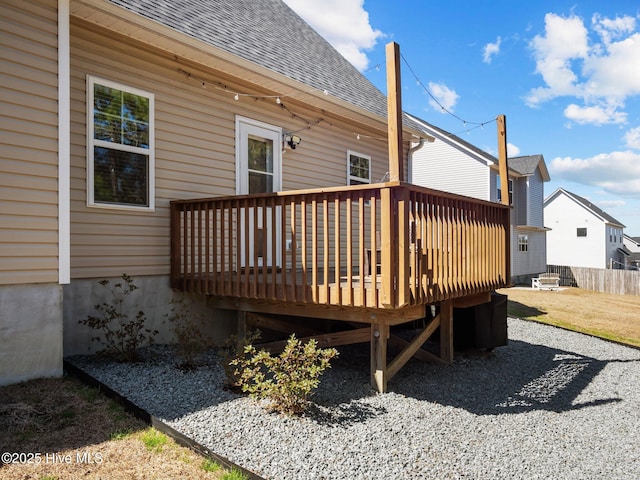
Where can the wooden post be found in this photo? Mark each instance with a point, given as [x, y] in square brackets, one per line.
[502, 158]
[504, 186]
[176, 272]
[403, 274]
[446, 331]
[241, 317]
[394, 112]
[379, 338]
[388, 248]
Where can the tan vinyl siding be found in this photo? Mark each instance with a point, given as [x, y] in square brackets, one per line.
[28, 144]
[194, 151]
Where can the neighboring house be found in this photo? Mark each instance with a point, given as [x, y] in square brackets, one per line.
[111, 109]
[454, 165]
[581, 234]
[632, 244]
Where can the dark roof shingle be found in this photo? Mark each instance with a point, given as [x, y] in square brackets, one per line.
[270, 34]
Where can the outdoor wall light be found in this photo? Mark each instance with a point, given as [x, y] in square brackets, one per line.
[292, 141]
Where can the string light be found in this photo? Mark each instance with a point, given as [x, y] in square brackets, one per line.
[442, 107]
[236, 95]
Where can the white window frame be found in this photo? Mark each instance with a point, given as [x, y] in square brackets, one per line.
[92, 143]
[352, 177]
[523, 243]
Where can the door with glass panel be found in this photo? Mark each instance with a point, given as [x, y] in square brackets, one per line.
[259, 170]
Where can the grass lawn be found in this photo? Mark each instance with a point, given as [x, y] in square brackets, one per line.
[614, 317]
[66, 430]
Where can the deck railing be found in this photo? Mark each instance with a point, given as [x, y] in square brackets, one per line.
[386, 245]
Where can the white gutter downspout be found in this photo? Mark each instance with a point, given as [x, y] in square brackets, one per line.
[410, 158]
[64, 148]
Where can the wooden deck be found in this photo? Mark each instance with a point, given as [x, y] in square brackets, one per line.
[375, 254]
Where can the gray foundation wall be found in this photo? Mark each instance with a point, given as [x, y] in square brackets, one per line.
[30, 332]
[153, 296]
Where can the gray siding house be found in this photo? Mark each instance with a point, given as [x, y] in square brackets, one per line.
[454, 165]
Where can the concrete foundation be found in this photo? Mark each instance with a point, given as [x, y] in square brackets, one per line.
[30, 332]
[153, 296]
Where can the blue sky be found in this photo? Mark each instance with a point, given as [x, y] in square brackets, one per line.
[565, 73]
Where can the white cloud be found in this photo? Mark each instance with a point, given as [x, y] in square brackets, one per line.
[565, 40]
[512, 150]
[596, 115]
[632, 138]
[600, 67]
[446, 97]
[491, 49]
[611, 28]
[343, 23]
[615, 172]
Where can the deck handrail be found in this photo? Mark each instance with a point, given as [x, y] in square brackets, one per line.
[388, 245]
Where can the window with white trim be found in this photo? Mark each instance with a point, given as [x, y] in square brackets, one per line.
[523, 243]
[120, 139]
[358, 168]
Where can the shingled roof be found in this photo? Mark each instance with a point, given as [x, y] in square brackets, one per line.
[527, 165]
[271, 35]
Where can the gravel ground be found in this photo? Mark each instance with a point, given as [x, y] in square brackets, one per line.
[552, 404]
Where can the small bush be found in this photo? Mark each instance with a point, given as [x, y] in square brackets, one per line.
[234, 350]
[287, 380]
[120, 335]
[188, 329]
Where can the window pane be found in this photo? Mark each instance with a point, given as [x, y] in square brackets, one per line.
[107, 127]
[260, 155]
[120, 117]
[135, 134]
[260, 183]
[120, 177]
[135, 115]
[107, 107]
[358, 167]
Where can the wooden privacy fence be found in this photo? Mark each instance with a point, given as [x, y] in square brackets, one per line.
[620, 282]
[379, 246]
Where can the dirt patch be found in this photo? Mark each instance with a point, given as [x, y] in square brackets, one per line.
[62, 429]
[614, 317]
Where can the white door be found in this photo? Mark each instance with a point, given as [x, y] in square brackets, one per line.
[259, 170]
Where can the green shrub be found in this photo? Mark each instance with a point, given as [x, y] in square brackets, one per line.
[234, 350]
[287, 380]
[120, 336]
[188, 329]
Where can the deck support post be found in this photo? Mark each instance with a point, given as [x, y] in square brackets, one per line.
[446, 331]
[379, 338]
[241, 317]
